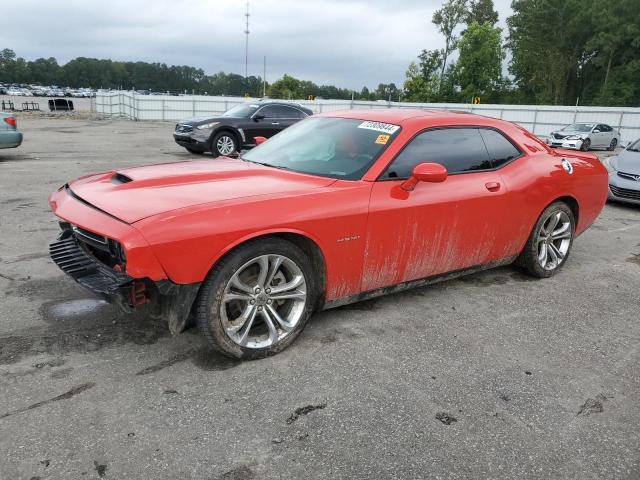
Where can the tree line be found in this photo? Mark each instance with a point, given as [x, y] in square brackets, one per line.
[563, 52]
[559, 52]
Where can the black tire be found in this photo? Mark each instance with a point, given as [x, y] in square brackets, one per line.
[215, 147]
[195, 152]
[528, 258]
[209, 301]
[612, 146]
[586, 145]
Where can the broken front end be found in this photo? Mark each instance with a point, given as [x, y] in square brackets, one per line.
[98, 263]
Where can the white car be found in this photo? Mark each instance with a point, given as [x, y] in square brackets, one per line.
[584, 136]
[624, 174]
[14, 91]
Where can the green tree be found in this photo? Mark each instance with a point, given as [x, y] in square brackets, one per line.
[548, 43]
[447, 19]
[479, 66]
[422, 82]
[481, 11]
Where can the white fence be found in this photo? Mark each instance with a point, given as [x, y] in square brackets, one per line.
[539, 119]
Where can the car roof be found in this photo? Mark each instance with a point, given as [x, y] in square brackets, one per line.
[268, 101]
[399, 116]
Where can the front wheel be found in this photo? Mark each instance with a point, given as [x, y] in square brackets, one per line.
[550, 241]
[613, 144]
[586, 144]
[257, 300]
[223, 144]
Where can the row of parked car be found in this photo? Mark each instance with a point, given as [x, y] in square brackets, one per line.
[50, 91]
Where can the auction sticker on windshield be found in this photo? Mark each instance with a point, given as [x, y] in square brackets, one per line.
[382, 139]
[380, 127]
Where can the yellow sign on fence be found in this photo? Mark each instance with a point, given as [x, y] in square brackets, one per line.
[476, 100]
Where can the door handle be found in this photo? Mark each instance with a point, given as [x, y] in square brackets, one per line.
[492, 186]
[275, 123]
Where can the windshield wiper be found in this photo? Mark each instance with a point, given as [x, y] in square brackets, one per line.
[266, 164]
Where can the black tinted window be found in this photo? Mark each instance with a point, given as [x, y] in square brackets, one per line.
[500, 149]
[458, 149]
[290, 112]
[271, 111]
[280, 111]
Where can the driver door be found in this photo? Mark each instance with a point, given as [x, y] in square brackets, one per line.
[438, 227]
[269, 125]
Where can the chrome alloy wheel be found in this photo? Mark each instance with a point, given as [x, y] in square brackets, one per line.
[263, 301]
[225, 145]
[554, 240]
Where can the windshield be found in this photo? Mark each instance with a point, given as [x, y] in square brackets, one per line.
[330, 147]
[579, 127]
[634, 146]
[241, 111]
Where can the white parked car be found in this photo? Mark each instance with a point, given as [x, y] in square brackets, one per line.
[624, 174]
[584, 136]
[14, 91]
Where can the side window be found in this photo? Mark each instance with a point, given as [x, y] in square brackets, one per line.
[270, 111]
[605, 128]
[500, 149]
[290, 112]
[458, 149]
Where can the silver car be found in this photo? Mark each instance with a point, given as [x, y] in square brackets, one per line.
[624, 174]
[583, 136]
[10, 137]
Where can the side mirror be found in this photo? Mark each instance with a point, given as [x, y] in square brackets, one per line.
[595, 130]
[425, 172]
[259, 140]
[258, 117]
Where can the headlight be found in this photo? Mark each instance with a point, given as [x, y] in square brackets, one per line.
[207, 126]
[574, 137]
[610, 162]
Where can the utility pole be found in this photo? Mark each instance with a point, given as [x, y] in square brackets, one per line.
[246, 47]
[264, 77]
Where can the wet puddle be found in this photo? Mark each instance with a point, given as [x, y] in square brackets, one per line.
[74, 308]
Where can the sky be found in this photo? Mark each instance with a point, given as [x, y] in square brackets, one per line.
[347, 43]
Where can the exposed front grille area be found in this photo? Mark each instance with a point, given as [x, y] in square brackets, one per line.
[629, 176]
[625, 193]
[106, 251]
[68, 253]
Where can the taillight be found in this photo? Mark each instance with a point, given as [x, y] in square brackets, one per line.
[11, 121]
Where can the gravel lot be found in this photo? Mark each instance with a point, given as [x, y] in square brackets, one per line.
[495, 375]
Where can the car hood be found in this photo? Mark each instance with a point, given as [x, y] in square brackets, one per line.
[198, 120]
[628, 162]
[568, 133]
[136, 193]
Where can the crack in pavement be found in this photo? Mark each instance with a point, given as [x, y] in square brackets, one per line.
[71, 393]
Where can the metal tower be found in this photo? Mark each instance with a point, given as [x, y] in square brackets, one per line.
[246, 44]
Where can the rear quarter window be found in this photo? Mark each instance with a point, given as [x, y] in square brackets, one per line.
[501, 150]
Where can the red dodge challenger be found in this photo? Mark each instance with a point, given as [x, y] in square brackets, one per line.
[338, 208]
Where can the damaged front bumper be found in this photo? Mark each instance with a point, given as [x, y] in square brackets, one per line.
[575, 144]
[75, 255]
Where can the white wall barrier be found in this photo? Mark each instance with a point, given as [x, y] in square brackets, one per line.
[539, 119]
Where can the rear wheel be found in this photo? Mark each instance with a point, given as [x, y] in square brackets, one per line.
[613, 144]
[586, 144]
[549, 244]
[223, 144]
[257, 300]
